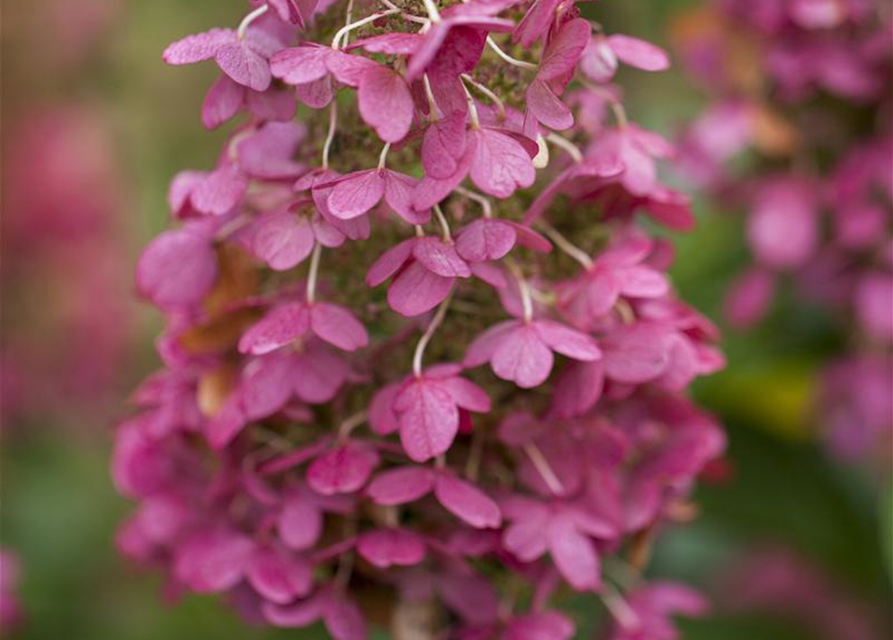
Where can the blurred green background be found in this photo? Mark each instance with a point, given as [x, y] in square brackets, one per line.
[59, 510]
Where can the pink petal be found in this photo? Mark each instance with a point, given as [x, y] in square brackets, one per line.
[300, 65]
[547, 107]
[401, 485]
[523, 358]
[565, 49]
[499, 163]
[389, 262]
[429, 419]
[638, 53]
[222, 102]
[566, 341]
[212, 561]
[385, 548]
[342, 470]
[578, 389]
[222, 190]
[244, 65]
[536, 22]
[282, 325]
[265, 385]
[483, 347]
[177, 269]
[269, 152]
[356, 193]
[467, 394]
[643, 282]
[432, 190]
[349, 69]
[338, 326]
[222, 428]
[599, 62]
[299, 522]
[636, 353]
[440, 257]
[398, 193]
[443, 146]
[279, 577]
[543, 625]
[390, 43]
[385, 103]
[472, 597]
[199, 47]
[318, 374]
[344, 620]
[416, 290]
[467, 502]
[382, 418]
[574, 555]
[282, 240]
[316, 94]
[299, 615]
[485, 239]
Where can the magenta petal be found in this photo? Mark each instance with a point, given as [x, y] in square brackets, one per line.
[244, 65]
[344, 620]
[485, 239]
[282, 240]
[177, 269]
[390, 43]
[318, 374]
[385, 548]
[300, 65]
[566, 341]
[467, 394]
[226, 425]
[574, 555]
[356, 193]
[429, 419]
[199, 47]
[299, 615]
[471, 596]
[342, 470]
[578, 389]
[265, 385]
[543, 625]
[382, 418]
[398, 193]
[212, 561]
[443, 146]
[499, 163]
[299, 522]
[483, 347]
[467, 502]
[222, 190]
[416, 290]
[386, 103]
[316, 94]
[432, 190]
[389, 262]
[280, 326]
[279, 577]
[565, 49]
[338, 326]
[222, 102]
[401, 485]
[547, 107]
[523, 358]
[440, 257]
[638, 53]
[636, 353]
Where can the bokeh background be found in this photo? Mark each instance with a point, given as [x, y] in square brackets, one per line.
[791, 543]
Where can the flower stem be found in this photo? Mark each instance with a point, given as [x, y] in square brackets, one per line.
[330, 136]
[512, 61]
[251, 17]
[314, 273]
[429, 332]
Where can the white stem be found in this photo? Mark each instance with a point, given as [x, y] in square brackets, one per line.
[333, 125]
[545, 470]
[404, 15]
[432, 103]
[523, 287]
[429, 332]
[565, 245]
[343, 31]
[382, 158]
[444, 225]
[431, 8]
[419, 231]
[350, 424]
[619, 114]
[472, 108]
[620, 609]
[512, 61]
[487, 92]
[251, 17]
[481, 200]
[572, 149]
[314, 273]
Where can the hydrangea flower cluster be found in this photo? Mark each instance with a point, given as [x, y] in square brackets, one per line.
[820, 207]
[423, 363]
